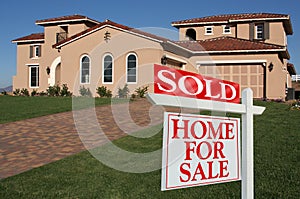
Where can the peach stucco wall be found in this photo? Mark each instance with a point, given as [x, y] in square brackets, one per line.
[240, 30]
[200, 32]
[119, 46]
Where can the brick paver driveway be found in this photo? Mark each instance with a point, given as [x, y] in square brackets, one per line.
[35, 142]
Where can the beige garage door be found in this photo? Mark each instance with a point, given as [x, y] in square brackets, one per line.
[248, 76]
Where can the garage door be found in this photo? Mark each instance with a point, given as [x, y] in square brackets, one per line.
[248, 76]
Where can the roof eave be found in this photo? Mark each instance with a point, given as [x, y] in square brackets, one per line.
[101, 27]
[28, 41]
[197, 23]
[65, 21]
[259, 19]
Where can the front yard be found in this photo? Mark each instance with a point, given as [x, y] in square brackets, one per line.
[277, 167]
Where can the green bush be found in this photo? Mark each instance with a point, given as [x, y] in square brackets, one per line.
[142, 91]
[102, 91]
[123, 92]
[53, 91]
[34, 92]
[64, 92]
[17, 92]
[85, 92]
[24, 92]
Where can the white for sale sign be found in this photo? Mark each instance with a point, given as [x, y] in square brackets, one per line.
[199, 150]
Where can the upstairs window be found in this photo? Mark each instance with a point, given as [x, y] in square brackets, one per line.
[209, 30]
[108, 69]
[85, 70]
[131, 68]
[35, 51]
[226, 29]
[259, 31]
[190, 34]
[62, 34]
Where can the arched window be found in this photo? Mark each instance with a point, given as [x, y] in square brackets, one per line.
[131, 68]
[85, 70]
[108, 69]
[190, 34]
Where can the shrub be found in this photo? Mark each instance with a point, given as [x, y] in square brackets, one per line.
[102, 91]
[43, 93]
[142, 91]
[24, 92]
[17, 92]
[85, 92]
[53, 90]
[123, 92]
[64, 92]
[4, 92]
[34, 92]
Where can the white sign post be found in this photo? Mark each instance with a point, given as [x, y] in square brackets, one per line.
[246, 109]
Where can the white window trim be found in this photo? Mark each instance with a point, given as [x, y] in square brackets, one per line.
[34, 56]
[136, 69]
[112, 70]
[85, 83]
[226, 33]
[33, 66]
[256, 32]
[212, 30]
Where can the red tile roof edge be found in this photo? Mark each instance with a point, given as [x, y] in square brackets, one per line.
[111, 23]
[227, 17]
[64, 19]
[31, 37]
[291, 69]
[230, 44]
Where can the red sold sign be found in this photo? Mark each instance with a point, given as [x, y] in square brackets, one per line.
[174, 82]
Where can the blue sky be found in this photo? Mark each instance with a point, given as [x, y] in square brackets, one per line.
[17, 18]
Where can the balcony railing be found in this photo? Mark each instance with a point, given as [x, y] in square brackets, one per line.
[296, 78]
[61, 36]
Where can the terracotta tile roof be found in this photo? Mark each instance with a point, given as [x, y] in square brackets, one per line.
[227, 44]
[65, 19]
[32, 37]
[108, 23]
[229, 17]
[291, 69]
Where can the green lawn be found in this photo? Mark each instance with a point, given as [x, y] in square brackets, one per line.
[14, 108]
[277, 166]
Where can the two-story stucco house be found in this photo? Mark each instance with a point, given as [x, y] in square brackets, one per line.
[250, 49]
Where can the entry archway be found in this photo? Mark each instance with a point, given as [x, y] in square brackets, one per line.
[55, 70]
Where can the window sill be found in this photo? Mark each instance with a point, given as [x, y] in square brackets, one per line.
[108, 83]
[131, 82]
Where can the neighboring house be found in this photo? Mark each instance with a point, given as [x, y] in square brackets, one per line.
[250, 49]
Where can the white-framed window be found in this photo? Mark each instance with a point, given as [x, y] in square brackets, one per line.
[35, 51]
[131, 68]
[85, 69]
[209, 30]
[226, 29]
[34, 76]
[108, 67]
[259, 31]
